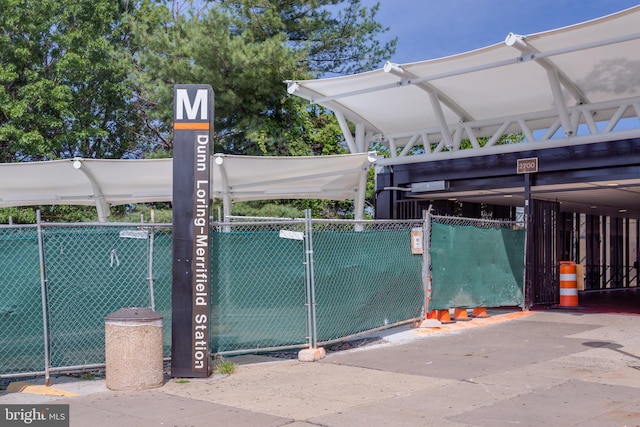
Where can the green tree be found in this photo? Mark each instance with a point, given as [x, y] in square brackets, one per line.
[325, 36]
[245, 49]
[94, 78]
[64, 67]
[510, 138]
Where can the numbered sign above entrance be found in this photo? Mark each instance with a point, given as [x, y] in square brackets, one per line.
[529, 165]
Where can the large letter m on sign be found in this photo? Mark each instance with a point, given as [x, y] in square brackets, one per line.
[184, 105]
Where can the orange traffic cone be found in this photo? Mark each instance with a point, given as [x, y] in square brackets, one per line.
[479, 312]
[444, 317]
[460, 314]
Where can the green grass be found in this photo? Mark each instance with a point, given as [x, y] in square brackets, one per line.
[225, 367]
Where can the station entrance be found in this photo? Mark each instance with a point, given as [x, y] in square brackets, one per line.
[450, 131]
[584, 208]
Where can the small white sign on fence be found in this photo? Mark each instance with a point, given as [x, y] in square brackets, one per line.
[294, 235]
[416, 241]
[134, 234]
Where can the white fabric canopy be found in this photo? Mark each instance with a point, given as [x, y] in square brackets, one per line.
[567, 79]
[245, 178]
[238, 178]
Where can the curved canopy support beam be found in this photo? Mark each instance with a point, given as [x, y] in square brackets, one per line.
[101, 205]
[561, 105]
[226, 196]
[529, 53]
[444, 129]
[556, 78]
[294, 88]
[397, 70]
[346, 132]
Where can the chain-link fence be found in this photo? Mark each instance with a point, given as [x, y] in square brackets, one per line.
[91, 271]
[275, 285]
[258, 297]
[22, 347]
[160, 250]
[59, 281]
[475, 262]
[366, 276]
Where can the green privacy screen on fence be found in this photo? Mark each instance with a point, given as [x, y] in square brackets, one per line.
[476, 267]
[96, 271]
[365, 280]
[258, 291]
[162, 249]
[21, 326]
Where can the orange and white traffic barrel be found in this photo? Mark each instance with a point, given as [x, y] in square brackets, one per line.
[568, 284]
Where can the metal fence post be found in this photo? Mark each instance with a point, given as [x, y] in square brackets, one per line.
[527, 288]
[43, 288]
[152, 299]
[426, 261]
[311, 291]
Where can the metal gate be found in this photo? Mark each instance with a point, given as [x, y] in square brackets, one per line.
[611, 252]
[542, 260]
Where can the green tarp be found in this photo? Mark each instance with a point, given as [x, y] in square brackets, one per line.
[476, 267]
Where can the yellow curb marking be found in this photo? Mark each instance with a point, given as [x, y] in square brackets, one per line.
[22, 387]
[473, 323]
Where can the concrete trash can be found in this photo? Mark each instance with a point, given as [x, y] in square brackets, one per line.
[133, 349]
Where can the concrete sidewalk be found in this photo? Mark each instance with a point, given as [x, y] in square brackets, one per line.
[539, 368]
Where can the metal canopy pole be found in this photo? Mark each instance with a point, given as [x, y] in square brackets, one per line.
[43, 291]
[426, 261]
[152, 298]
[346, 132]
[101, 205]
[528, 291]
[444, 128]
[312, 328]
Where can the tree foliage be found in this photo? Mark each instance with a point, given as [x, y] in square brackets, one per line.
[323, 38]
[64, 68]
[246, 49]
[94, 78]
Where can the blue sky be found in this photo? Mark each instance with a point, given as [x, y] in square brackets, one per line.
[428, 29]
